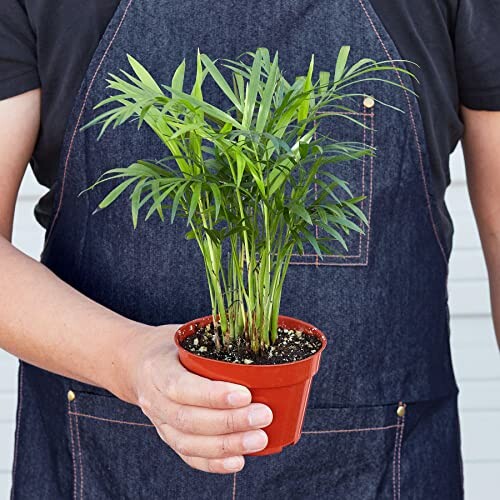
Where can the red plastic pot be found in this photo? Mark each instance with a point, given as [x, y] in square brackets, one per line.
[284, 388]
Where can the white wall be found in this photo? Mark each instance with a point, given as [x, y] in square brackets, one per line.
[475, 355]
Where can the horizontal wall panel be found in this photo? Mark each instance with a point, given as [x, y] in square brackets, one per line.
[7, 430]
[480, 395]
[5, 482]
[482, 480]
[7, 407]
[8, 372]
[467, 264]
[480, 436]
[466, 234]
[458, 200]
[479, 364]
[475, 359]
[467, 332]
[469, 298]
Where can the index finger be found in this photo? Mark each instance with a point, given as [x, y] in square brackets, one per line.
[190, 389]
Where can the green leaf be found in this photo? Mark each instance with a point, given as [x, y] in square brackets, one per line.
[144, 75]
[178, 78]
[313, 241]
[177, 200]
[197, 87]
[116, 192]
[358, 65]
[210, 110]
[251, 91]
[220, 80]
[307, 99]
[160, 199]
[155, 191]
[135, 199]
[267, 97]
[324, 80]
[335, 234]
[195, 198]
[358, 212]
[342, 58]
[301, 211]
[217, 198]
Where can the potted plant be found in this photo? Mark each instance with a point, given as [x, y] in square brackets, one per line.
[252, 182]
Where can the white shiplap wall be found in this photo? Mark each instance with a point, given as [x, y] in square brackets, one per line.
[475, 355]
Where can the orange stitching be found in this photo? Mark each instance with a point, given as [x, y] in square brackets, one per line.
[415, 132]
[80, 453]
[342, 431]
[396, 459]
[361, 264]
[73, 457]
[394, 465]
[371, 194]
[234, 486]
[112, 421]
[356, 113]
[18, 423]
[399, 455]
[79, 119]
[363, 180]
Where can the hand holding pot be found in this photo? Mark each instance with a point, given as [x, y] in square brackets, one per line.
[209, 424]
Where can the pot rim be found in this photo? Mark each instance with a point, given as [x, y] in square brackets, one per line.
[308, 329]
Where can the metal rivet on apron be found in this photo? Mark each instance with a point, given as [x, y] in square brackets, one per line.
[401, 410]
[369, 102]
[71, 396]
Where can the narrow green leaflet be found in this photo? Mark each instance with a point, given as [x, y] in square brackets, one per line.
[116, 192]
[341, 63]
[220, 80]
[144, 75]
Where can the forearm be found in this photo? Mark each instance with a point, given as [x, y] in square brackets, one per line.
[482, 154]
[49, 324]
[491, 245]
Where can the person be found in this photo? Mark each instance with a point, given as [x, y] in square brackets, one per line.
[105, 409]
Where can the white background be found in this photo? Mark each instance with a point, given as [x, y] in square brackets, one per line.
[475, 355]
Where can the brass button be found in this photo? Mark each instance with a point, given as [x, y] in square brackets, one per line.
[401, 410]
[369, 102]
[71, 396]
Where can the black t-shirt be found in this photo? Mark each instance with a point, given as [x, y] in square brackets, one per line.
[49, 44]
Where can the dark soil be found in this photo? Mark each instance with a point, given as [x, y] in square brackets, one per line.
[291, 345]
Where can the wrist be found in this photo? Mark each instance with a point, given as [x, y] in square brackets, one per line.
[126, 359]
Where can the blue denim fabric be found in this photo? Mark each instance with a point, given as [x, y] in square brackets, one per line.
[383, 306]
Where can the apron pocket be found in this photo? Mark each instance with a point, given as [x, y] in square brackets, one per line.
[359, 174]
[117, 453]
[352, 452]
[343, 453]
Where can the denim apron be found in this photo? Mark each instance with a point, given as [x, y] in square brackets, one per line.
[382, 416]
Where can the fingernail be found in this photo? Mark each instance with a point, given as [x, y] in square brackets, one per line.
[238, 398]
[254, 441]
[260, 416]
[232, 463]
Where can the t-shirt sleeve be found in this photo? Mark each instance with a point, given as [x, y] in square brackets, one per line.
[18, 63]
[477, 44]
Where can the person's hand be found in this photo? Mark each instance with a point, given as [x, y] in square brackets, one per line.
[209, 424]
